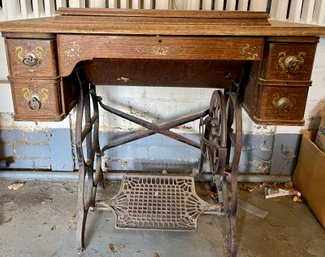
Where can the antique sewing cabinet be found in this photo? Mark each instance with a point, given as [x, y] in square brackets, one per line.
[55, 63]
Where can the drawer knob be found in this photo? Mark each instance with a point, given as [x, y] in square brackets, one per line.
[291, 64]
[34, 102]
[283, 105]
[30, 59]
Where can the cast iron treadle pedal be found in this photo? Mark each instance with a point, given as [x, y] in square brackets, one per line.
[157, 202]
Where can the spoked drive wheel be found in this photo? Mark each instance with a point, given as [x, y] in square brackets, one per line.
[213, 131]
[221, 140]
[89, 156]
[234, 146]
[213, 134]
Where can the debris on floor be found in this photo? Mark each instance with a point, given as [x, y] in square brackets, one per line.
[286, 189]
[112, 248]
[298, 199]
[274, 190]
[26, 225]
[164, 172]
[248, 187]
[277, 192]
[16, 185]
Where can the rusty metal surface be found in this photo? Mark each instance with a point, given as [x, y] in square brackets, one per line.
[234, 146]
[163, 202]
[221, 144]
[88, 153]
[152, 128]
[157, 202]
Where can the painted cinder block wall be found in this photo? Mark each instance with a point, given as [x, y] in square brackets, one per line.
[50, 145]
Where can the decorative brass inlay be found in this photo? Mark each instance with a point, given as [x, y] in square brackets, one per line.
[35, 98]
[250, 52]
[293, 63]
[72, 54]
[158, 50]
[283, 105]
[30, 58]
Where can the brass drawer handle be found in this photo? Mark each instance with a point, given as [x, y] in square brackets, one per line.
[293, 63]
[30, 59]
[283, 105]
[34, 102]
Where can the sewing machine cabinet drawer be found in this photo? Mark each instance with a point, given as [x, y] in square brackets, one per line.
[32, 57]
[284, 61]
[276, 102]
[38, 100]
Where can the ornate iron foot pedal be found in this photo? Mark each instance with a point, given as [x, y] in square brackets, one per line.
[158, 202]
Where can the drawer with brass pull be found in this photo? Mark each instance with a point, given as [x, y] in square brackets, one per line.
[37, 100]
[30, 57]
[289, 61]
[276, 102]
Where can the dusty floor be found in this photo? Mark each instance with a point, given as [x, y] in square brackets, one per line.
[39, 219]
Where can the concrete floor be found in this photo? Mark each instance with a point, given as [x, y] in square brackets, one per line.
[38, 220]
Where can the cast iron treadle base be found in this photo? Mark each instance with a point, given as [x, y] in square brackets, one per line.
[157, 202]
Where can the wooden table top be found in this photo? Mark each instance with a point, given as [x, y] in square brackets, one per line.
[160, 22]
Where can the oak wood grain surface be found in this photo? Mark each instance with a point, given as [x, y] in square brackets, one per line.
[75, 48]
[158, 22]
[161, 48]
